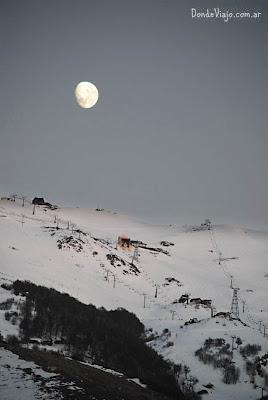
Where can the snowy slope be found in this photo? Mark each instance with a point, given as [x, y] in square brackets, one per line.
[21, 379]
[29, 250]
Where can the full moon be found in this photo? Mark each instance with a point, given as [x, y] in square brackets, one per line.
[86, 94]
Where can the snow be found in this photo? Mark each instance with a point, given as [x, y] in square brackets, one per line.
[138, 382]
[110, 371]
[16, 384]
[28, 251]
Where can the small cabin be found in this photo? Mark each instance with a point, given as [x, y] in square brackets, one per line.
[184, 298]
[124, 242]
[206, 302]
[39, 201]
[196, 300]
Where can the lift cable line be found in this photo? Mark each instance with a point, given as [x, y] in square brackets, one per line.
[254, 324]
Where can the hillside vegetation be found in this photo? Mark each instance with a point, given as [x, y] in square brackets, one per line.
[113, 339]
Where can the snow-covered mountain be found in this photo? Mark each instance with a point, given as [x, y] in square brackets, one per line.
[75, 251]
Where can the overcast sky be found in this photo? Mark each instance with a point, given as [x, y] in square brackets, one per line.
[180, 129]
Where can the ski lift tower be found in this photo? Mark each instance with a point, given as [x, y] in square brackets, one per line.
[234, 305]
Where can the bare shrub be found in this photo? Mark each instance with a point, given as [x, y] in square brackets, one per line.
[230, 374]
[250, 350]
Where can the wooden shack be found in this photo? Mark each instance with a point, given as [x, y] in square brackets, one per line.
[124, 243]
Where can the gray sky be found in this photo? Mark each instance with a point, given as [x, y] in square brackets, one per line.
[180, 129]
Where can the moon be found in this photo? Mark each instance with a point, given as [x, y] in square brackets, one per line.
[86, 94]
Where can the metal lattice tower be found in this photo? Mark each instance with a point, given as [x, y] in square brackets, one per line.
[234, 306]
[135, 256]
